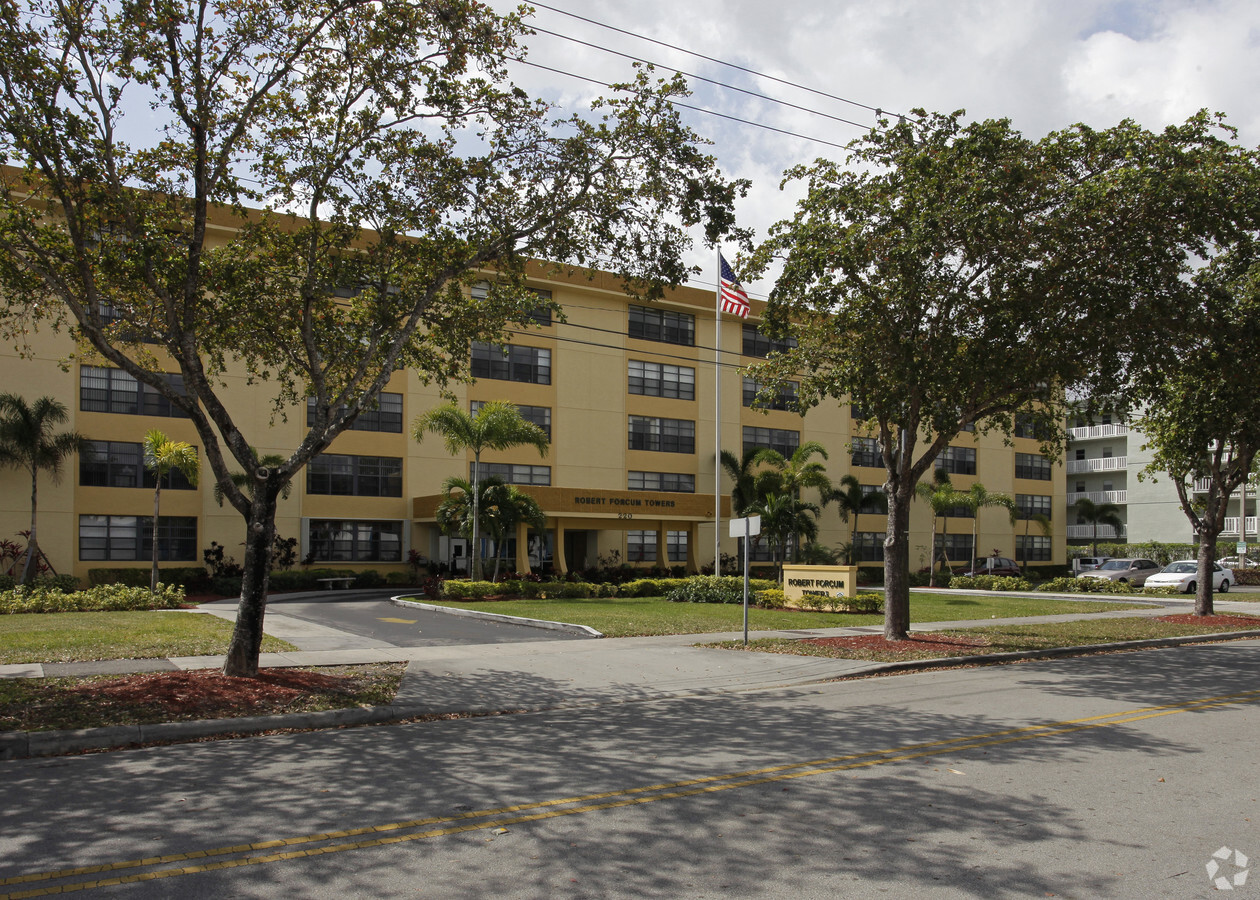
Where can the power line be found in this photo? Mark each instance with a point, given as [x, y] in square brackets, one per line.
[875, 109]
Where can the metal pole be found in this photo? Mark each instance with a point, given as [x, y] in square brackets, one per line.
[746, 581]
[717, 419]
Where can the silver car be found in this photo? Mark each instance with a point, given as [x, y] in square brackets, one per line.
[1131, 571]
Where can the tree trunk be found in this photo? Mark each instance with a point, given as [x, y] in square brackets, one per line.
[474, 568]
[1203, 605]
[897, 563]
[157, 501]
[242, 654]
[31, 566]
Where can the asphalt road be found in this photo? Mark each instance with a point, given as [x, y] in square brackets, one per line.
[1109, 776]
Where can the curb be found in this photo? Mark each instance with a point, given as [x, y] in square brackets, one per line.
[16, 745]
[584, 630]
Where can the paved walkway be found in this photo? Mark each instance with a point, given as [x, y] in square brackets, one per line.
[510, 677]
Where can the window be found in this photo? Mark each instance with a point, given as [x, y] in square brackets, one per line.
[354, 476]
[640, 546]
[1027, 427]
[664, 435]
[962, 511]
[784, 398]
[114, 391]
[511, 363]
[1080, 453]
[121, 464]
[757, 344]
[675, 482]
[1032, 548]
[785, 442]
[513, 473]
[662, 325]
[955, 546]
[131, 538]
[957, 460]
[1032, 465]
[869, 546]
[387, 415]
[539, 315]
[334, 540]
[866, 453]
[1028, 505]
[677, 541]
[662, 380]
[1106, 453]
[539, 415]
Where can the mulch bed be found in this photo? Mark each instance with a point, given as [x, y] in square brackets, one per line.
[1213, 621]
[914, 644]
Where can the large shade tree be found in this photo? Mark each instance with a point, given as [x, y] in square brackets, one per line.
[952, 274]
[30, 441]
[303, 194]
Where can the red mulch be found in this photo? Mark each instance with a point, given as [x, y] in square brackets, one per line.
[209, 693]
[1215, 621]
[916, 643]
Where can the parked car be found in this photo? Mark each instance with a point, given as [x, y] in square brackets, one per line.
[993, 565]
[1089, 563]
[1184, 576]
[1132, 571]
[1235, 562]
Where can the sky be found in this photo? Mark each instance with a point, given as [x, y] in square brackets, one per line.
[1044, 64]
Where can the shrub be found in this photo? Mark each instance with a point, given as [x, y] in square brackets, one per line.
[707, 589]
[989, 583]
[864, 602]
[226, 585]
[399, 579]
[1247, 576]
[1089, 586]
[369, 578]
[469, 590]
[100, 598]
[770, 598]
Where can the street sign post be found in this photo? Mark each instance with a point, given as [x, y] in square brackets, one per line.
[746, 528]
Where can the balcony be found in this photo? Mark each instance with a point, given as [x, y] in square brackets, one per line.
[1102, 464]
[1231, 525]
[1117, 497]
[1098, 431]
[1086, 532]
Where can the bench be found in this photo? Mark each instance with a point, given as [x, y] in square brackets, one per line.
[333, 584]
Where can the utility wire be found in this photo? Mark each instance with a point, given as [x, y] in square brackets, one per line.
[875, 109]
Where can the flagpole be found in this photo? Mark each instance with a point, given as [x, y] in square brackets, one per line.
[717, 418]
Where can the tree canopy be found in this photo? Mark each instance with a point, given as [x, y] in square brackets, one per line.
[949, 274]
[303, 193]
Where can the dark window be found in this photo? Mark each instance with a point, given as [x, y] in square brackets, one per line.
[1027, 427]
[866, 453]
[677, 541]
[957, 460]
[539, 415]
[662, 325]
[870, 546]
[640, 546]
[121, 464]
[662, 380]
[665, 435]
[962, 511]
[511, 363]
[354, 476]
[780, 439]
[334, 540]
[1032, 548]
[387, 415]
[513, 473]
[674, 482]
[757, 344]
[1032, 465]
[1026, 505]
[955, 546]
[783, 398]
[114, 391]
[539, 315]
[131, 538]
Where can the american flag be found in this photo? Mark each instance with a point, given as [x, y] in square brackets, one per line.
[734, 300]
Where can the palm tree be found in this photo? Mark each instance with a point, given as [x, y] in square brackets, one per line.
[791, 475]
[741, 469]
[1098, 514]
[980, 497]
[161, 457]
[851, 501]
[1043, 523]
[941, 496]
[784, 517]
[498, 425]
[501, 507]
[28, 441]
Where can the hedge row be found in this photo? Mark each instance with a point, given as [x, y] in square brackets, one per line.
[989, 583]
[697, 589]
[101, 598]
[1101, 586]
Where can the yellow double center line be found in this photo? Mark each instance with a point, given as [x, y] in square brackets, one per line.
[196, 861]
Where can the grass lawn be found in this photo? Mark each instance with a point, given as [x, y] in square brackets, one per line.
[636, 616]
[77, 637]
[964, 642]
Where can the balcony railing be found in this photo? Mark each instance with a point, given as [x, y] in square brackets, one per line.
[1090, 432]
[1231, 525]
[1102, 464]
[1086, 532]
[1098, 496]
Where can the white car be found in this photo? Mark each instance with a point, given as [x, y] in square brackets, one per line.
[1184, 576]
[1233, 562]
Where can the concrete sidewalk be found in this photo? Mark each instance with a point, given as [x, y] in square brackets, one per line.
[537, 675]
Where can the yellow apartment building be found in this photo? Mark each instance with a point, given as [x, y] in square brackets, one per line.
[626, 391]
